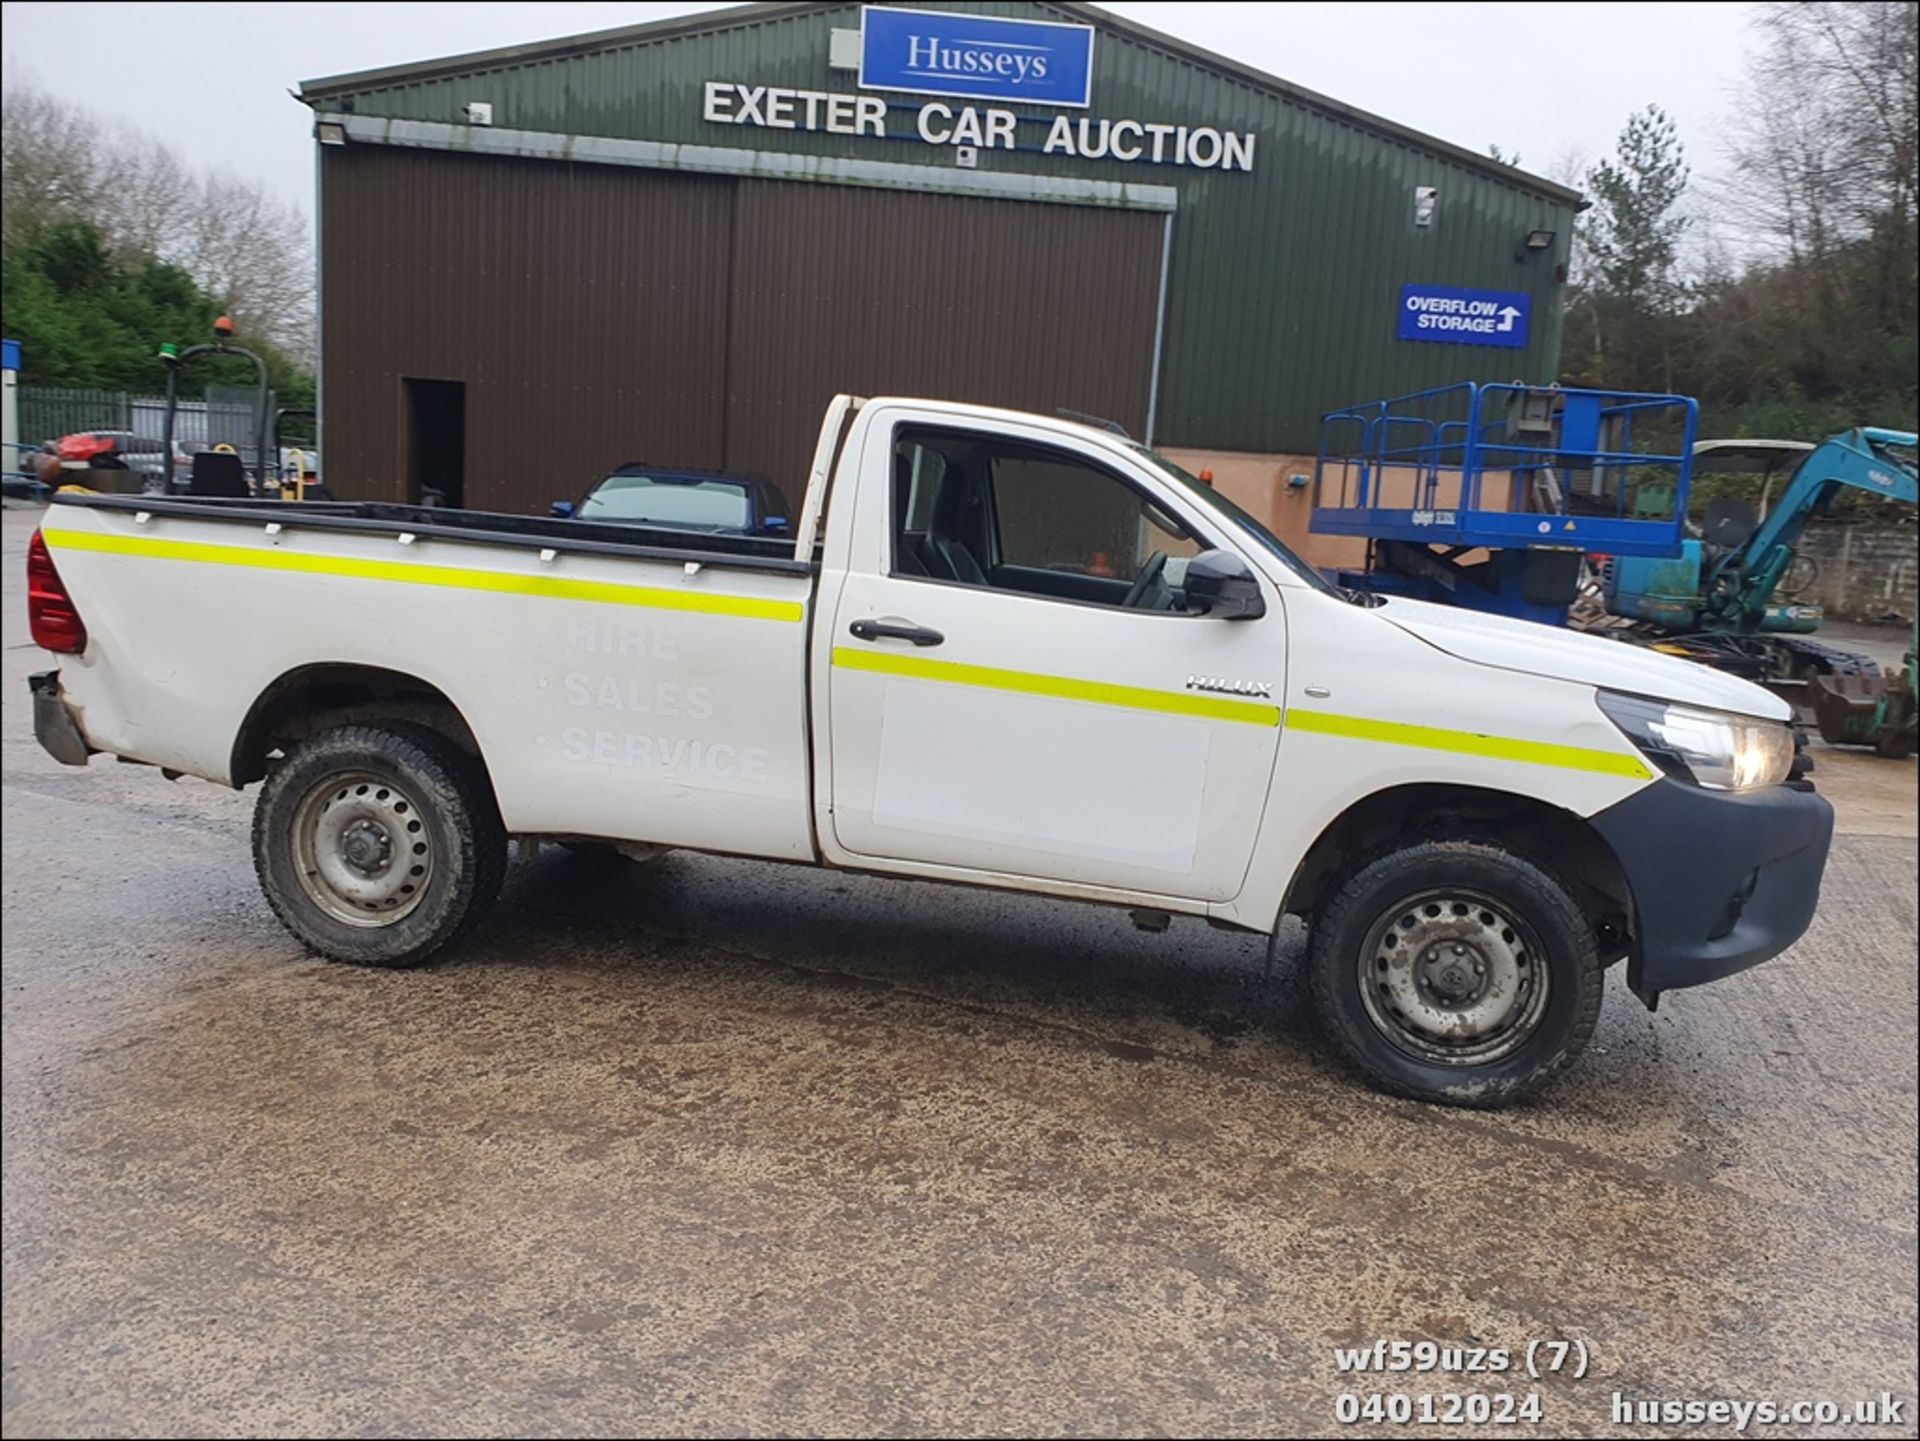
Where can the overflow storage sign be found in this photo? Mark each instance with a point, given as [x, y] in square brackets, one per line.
[1451, 315]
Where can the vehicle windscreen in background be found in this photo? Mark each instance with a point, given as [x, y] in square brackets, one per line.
[705, 504]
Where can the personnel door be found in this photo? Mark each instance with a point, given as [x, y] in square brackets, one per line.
[1009, 679]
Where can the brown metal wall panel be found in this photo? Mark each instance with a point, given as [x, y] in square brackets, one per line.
[583, 306]
[1284, 280]
[890, 292]
[598, 314]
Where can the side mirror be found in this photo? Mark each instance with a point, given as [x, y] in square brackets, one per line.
[1223, 586]
[561, 509]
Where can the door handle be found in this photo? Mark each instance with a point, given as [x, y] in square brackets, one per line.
[882, 630]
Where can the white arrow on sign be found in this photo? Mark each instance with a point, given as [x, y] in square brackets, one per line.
[1507, 314]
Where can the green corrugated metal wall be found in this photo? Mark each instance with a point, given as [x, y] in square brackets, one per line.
[1284, 281]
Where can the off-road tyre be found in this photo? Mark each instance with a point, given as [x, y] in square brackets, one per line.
[1513, 914]
[415, 807]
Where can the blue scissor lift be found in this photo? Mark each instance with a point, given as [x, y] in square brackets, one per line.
[1490, 496]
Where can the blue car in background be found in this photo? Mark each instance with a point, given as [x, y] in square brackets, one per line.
[708, 501]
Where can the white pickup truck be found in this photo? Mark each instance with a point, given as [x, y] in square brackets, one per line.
[1000, 650]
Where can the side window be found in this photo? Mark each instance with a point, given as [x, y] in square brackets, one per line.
[975, 509]
[1060, 514]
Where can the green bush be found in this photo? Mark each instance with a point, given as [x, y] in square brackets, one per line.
[86, 318]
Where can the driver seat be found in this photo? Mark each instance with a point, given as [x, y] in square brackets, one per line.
[945, 554]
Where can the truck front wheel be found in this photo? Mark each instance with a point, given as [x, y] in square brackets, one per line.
[1455, 971]
[378, 845]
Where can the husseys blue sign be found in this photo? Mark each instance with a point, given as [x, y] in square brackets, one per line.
[1452, 315]
[976, 57]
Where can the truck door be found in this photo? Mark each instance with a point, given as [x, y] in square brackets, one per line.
[1013, 684]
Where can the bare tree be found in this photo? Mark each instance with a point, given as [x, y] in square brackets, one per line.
[243, 243]
[1823, 187]
[1824, 149]
[49, 158]
[1569, 168]
[236, 239]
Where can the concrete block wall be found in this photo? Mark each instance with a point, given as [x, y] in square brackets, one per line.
[1862, 574]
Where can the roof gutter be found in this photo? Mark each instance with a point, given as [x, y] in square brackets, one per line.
[750, 164]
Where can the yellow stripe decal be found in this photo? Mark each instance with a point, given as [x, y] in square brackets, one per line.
[1028, 683]
[1534, 753]
[410, 573]
[1540, 753]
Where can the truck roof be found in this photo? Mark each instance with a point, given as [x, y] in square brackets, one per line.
[1066, 425]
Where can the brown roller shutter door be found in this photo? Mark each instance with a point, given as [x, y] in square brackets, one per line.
[598, 314]
[1002, 302]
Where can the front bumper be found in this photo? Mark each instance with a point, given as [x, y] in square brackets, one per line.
[53, 724]
[1720, 881]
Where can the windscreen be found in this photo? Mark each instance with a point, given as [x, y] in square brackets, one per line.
[1252, 528]
[655, 500]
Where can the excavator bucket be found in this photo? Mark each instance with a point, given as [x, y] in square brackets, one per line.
[1859, 710]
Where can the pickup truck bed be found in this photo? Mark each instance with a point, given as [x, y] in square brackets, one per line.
[664, 634]
[478, 527]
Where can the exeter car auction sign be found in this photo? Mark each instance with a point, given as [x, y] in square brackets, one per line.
[1451, 315]
[982, 127]
[975, 57]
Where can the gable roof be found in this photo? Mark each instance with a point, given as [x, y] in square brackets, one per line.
[317, 92]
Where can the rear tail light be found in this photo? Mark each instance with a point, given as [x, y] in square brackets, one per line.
[56, 625]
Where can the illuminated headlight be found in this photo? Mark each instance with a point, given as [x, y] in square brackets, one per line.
[1710, 748]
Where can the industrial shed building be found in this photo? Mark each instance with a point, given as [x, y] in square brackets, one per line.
[673, 242]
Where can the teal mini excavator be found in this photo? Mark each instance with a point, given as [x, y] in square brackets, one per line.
[1715, 601]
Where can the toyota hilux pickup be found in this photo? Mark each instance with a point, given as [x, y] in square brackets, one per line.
[998, 649]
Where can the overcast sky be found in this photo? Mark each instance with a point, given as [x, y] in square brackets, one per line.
[1547, 80]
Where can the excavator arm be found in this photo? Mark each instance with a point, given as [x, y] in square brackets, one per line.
[1742, 580]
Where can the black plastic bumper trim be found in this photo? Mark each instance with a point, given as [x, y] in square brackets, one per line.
[1720, 881]
[53, 724]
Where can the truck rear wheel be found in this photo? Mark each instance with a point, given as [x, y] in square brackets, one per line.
[1455, 971]
[378, 845]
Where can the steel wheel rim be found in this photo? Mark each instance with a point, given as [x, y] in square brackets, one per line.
[1454, 977]
[362, 851]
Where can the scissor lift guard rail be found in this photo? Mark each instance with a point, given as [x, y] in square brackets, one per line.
[1489, 496]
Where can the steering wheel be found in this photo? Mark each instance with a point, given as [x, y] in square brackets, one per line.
[1143, 582]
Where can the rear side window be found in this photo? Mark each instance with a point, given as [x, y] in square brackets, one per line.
[653, 500]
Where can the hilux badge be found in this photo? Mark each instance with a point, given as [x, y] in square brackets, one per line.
[1230, 687]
